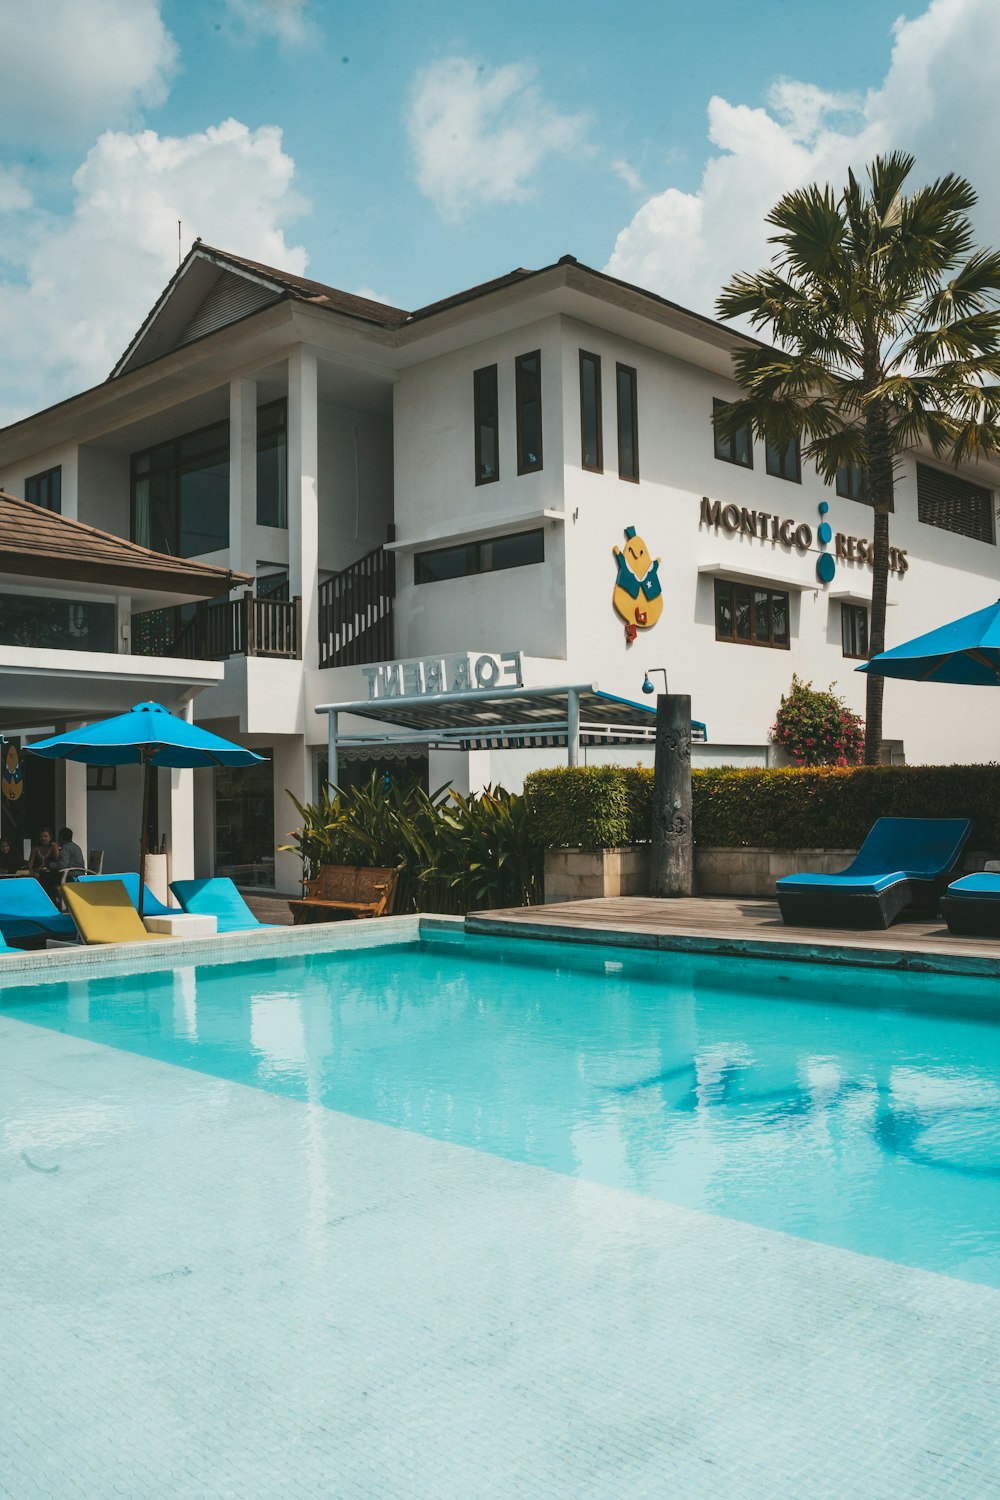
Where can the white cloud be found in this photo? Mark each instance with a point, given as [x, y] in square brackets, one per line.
[628, 174]
[87, 282]
[14, 194]
[72, 67]
[479, 135]
[937, 101]
[285, 19]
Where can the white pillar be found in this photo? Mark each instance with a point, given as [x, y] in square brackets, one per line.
[180, 816]
[293, 772]
[303, 503]
[75, 804]
[204, 825]
[70, 498]
[243, 475]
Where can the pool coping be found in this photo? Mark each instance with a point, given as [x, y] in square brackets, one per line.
[854, 954]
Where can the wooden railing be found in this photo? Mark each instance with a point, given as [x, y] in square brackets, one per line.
[246, 626]
[356, 608]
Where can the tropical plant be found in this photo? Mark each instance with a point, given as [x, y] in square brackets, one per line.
[453, 853]
[817, 728]
[887, 327]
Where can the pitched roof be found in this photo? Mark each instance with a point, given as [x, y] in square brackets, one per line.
[38, 543]
[316, 292]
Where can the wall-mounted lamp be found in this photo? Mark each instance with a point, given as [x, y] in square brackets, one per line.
[647, 686]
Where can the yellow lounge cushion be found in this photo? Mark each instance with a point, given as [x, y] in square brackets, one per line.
[103, 913]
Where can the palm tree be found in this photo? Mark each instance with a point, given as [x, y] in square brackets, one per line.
[886, 324]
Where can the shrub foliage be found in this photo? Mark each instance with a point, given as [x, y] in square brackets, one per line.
[817, 728]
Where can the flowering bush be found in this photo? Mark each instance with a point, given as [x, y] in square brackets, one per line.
[817, 728]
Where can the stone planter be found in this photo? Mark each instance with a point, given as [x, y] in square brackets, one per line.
[577, 874]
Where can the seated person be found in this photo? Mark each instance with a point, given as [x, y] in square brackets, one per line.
[70, 854]
[10, 859]
[44, 863]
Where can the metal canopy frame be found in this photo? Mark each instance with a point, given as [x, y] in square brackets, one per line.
[496, 719]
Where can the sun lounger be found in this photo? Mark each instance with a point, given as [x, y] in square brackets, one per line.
[28, 913]
[971, 906]
[220, 899]
[903, 863]
[151, 907]
[103, 913]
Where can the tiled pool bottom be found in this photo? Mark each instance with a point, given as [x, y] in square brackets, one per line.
[209, 1290]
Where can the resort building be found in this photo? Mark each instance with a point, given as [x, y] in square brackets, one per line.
[518, 485]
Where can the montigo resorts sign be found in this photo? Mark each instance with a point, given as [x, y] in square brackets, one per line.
[764, 526]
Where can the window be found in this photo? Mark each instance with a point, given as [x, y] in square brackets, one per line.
[850, 482]
[45, 489]
[180, 493]
[953, 504]
[489, 556]
[628, 424]
[854, 630]
[528, 396]
[591, 419]
[59, 624]
[484, 388]
[735, 450]
[272, 464]
[749, 615]
[784, 463]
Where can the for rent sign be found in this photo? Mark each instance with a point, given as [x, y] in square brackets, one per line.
[458, 673]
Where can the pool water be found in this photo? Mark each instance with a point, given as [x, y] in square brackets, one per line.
[858, 1109]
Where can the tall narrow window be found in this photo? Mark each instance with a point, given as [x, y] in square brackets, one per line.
[484, 387]
[854, 629]
[737, 449]
[784, 463]
[272, 464]
[528, 396]
[628, 424]
[591, 420]
[45, 489]
[850, 482]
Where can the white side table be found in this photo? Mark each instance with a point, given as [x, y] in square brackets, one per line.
[183, 924]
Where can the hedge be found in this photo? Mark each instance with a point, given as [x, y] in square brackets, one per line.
[822, 807]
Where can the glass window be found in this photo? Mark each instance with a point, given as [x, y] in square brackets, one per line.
[854, 629]
[180, 493]
[591, 418]
[45, 489]
[244, 823]
[528, 396]
[628, 424]
[272, 464]
[784, 463]
[489, 556]
[750, 615]
[954, 504]
[487, 420]
[56, 624]
[850, 482]
[737, 449]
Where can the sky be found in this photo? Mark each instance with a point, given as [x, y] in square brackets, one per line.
[406, 149]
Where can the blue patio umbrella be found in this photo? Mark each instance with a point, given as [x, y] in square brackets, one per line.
[966, 651]
[150, 736]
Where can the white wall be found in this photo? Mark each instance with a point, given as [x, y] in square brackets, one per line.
[104, 489]
[355, 484]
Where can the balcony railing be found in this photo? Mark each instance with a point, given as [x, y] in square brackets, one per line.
[356, 608]
[247, 626]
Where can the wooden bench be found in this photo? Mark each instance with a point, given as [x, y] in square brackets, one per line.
[345, 891]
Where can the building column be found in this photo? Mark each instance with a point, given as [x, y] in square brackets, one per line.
[303, 497]
[293, 772]
[243, 475]
[70, 493]
[180, 815]
[75, 801]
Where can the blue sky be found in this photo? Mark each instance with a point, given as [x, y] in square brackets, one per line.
[408, 150]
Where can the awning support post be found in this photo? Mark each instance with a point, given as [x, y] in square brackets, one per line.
[332, 768]
[573, 727]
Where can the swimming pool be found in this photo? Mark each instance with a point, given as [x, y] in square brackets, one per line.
[859, 1110]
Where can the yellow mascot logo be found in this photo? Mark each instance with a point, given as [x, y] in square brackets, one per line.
[638, 595]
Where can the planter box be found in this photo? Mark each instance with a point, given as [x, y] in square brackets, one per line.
[578, 874]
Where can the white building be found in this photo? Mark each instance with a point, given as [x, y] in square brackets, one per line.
[452, 482]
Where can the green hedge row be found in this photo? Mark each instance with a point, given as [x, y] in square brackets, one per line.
[823, 807]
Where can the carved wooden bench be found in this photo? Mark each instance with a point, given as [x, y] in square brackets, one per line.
[346, 890]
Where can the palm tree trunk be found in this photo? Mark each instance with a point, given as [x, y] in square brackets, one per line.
[879, 495]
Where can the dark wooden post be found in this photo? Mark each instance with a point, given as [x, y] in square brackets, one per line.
[249, 624]
[670, 857]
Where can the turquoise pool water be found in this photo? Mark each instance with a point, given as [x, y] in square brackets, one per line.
[858, 1109]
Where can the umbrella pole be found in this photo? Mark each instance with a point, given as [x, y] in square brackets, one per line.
[147, 772]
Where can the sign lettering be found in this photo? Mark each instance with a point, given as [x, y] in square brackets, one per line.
[458, 673]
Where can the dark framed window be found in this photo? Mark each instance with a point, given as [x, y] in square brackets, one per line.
[751, 616]
[272, 465]
[737, 449]
[492, 555]
[484, 387]
[57, 624]
[591, 416]
[180, 493]
[854, 630]
[850, 482]
[954, 504]
[628, 423]
[528, 398]
[784, 463]
[45, 489]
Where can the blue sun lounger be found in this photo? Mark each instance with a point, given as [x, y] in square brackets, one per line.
[220, 899]
[971, 906]
[904, 862]
[27, 912]
[151, 907]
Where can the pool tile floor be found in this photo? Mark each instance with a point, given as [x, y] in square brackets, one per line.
[211, 1291]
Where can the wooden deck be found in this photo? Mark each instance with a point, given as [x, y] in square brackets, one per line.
[747, 927]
